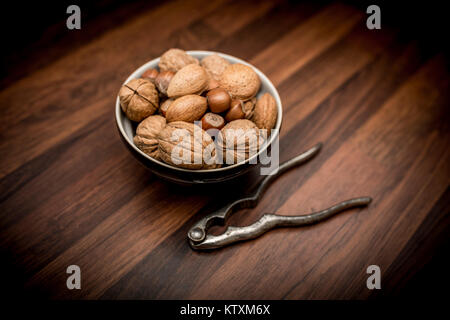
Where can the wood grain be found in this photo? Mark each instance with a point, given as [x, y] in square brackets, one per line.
[72, 194]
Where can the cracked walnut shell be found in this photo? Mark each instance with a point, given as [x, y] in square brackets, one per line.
[138, 99]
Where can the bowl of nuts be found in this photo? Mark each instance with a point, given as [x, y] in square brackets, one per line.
[196, 117]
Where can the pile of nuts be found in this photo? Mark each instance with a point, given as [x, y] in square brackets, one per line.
[208, 113]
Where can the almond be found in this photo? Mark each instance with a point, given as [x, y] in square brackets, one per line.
[174, 60]
[192, 79]
[187, 108]
[240, 81]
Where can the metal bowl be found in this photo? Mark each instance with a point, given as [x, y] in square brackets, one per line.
[127, 130]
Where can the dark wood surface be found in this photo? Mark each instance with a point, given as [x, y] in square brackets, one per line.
[72, 194]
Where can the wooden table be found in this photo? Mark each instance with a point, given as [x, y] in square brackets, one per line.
[72, 194]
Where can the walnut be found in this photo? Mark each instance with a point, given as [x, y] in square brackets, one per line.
[174, 60]
[186, 145]
[241, 81]
[249, 108]
[215, 65]
[138, 99]
[147, 133]
[238, 141]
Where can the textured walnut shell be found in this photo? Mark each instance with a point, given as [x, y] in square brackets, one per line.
[238, 141]
[215, 65]
[174, 60]
[187, 108]
[192, 79]
[240, 81]
[147, 133]
[265, 113]
[186, 145]
[249, 108]
[138, 99]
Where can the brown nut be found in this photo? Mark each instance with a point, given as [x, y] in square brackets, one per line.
[162, 81]
[249, 108]
[138, 99]
[165, 106]
[212, 121]
[238, 141]
[212, 84]
[146, 135]
[241, 81]
[236, 111]
[265, 114]
[150, 74]
[187, 108]
[192, 79]
[174, 60]
[186, 145]
[215, 65]
[218, 100]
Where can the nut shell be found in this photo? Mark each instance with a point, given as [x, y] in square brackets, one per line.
[174, 60]
[212, 121]
[146, 135]
[236, 111]
[186, 145]
[150, 74]
[138, 99]
[192, 79]
[212, 84]
[165, 106]
[265, 114]
[238, 141]
[240, 81]
[249, 108]
[162, 81]
[218, 100]
[215, 65]
[187, 108]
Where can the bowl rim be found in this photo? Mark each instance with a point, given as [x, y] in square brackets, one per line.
[275, 133]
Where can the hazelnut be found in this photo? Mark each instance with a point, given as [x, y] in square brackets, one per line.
[218, 100]
[212, 121]
[236, 111]
[150, 74]
[213, 83]
[162, 81]
[165, 106]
